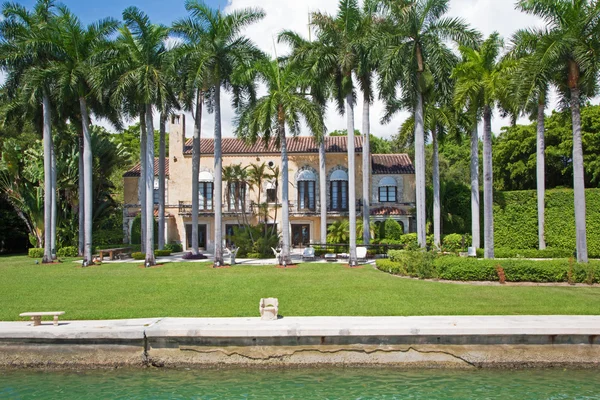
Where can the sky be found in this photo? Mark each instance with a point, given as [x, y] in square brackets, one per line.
[486, 16]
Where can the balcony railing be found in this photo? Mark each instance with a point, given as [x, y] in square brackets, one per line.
[185, 209]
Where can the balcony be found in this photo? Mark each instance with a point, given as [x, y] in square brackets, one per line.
[185, 210]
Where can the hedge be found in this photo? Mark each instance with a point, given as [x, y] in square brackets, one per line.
[69, 251]
[533, 253]
[426, 265]
[36, 253]
[515, 220]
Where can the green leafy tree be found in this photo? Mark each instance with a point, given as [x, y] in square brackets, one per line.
[570, 45]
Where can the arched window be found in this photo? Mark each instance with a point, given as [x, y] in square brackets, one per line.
[205, 191]
[339, 190]
[306, 183]
[388, 190]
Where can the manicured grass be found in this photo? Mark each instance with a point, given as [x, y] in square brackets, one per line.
[197, 290]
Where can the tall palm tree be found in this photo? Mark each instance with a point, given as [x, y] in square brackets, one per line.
[531, 80]
[79, 45]
[26, 50]
[481, 79]
[337, 56]
[140, 79]
[570, 45]
[414, 49]
[227, 54]
[192, 56]
[267, 118]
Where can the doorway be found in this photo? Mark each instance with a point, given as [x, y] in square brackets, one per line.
[300, 235]
[201, 236]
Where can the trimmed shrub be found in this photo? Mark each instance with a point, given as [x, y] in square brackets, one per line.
[515, 220]
[393, 230]
[162, 253]
[454, 243]
[138, 255]
[532, 253]
[136, 231]
[174, 247]
[253, 255]
[409, 241]
[69, 251]
[36, 253]
[468, 269]
[417, 264]
[389, 266]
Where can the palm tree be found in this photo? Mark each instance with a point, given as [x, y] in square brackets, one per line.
[415, 52]
[337, 56]
[79, 45]
[227, 53]
[192, 64]
[257, 174]
[267, 118]
[140, 79]
[531, 81]
[481, 80]
[26, 51]
[570, 45]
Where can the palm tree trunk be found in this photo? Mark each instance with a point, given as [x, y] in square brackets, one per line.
[323, 189]
[437, 213]
[351, 177]
[54, 202]
[541, 175]
[80, 208]
[420, 170]
[285, 206]
[149, 187]
[196, 169]
[366, 170]
[142, 181]
[162, 153]
[218, 200]
[475, 222]
[488, 194]
[578, 179]
[88, 164]
[47, 137]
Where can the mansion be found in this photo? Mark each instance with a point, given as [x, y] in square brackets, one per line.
[391, 179]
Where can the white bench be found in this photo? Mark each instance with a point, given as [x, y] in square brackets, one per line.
[36, 317]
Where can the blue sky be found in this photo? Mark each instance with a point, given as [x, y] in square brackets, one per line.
[160, 11]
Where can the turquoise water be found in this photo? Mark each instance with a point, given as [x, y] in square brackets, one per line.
[301, 384]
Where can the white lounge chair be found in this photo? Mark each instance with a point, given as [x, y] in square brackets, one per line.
[269, 308]
[277, 255]
[361, 254]
[308, 254]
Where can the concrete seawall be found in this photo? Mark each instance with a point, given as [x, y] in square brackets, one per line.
[412, 342]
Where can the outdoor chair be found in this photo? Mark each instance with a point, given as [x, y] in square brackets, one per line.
[361, 254]
[277, 255]
[231, 254]
[269, 308]
[308, 254]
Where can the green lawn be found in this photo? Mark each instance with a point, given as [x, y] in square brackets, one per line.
[197, 290]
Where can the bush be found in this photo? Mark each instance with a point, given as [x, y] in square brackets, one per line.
[409, 241]
[417, 264]
[253, 255]
[105, 237]
[393, 230]
[157, 253]
[468, 269]
[36, 253]
[138, 255]
[390, 266]
[69, 251]
[136, 231]
[174, 247]
[515, 220]
[532, 253]
[162, 253]
[454, 243]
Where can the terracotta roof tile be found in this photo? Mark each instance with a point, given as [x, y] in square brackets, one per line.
[387, 211]
[384, 164]
[299, 144]
[135, 171]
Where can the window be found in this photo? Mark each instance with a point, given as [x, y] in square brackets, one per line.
[388, 190]
[339, 191]
[339, 196]
[272, 195]
[155, 192]
[236, 196]
[306, 195]
[206, 191]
